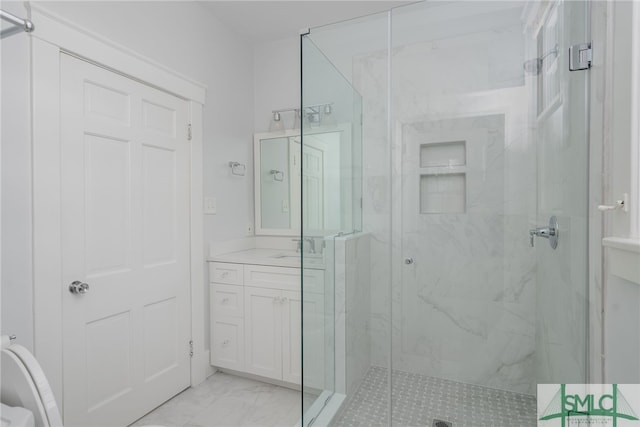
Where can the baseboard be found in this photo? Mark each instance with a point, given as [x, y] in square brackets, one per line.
[260, 378]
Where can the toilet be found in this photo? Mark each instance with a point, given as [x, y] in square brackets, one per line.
[27, 399]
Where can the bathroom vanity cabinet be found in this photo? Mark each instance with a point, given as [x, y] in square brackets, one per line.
[256, 314]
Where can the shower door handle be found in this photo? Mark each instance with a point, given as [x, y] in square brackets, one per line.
[551, 233]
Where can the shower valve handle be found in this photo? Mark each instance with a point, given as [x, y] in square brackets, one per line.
[551, 233]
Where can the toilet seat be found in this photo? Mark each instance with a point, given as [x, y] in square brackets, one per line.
[25, 385]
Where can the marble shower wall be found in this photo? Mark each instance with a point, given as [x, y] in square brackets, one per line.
[352, 310]
[465, 310]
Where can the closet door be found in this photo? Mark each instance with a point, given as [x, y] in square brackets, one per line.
[125, 233]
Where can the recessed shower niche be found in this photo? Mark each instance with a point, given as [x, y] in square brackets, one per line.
[443, 177]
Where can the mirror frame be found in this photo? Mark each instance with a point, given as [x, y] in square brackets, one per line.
[257, 188]
[344, 128]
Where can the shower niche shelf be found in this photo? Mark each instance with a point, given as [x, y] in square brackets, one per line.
[443, 154]
[443, 177]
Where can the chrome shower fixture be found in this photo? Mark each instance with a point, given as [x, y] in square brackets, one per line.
[534, 66]
[276, 116]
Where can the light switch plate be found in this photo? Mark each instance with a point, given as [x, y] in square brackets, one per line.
[210, 206]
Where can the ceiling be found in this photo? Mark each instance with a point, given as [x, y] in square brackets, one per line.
[262, 21]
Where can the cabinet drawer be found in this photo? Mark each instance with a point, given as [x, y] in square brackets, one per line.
[226, 300]
[222, 272]
[227, 343]
[284, 278]
[263, 276]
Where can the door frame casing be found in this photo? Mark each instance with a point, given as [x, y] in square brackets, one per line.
[54, 37]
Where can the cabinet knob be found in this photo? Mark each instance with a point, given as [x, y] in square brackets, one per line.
[225, 300]
[225, 342]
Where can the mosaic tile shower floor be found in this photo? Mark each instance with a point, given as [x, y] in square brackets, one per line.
[419, 399]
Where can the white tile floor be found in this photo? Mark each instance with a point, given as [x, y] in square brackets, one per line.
[418, 400]
[225, 400]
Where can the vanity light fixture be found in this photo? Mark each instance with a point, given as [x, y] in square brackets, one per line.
[311, 114]
[276, 122]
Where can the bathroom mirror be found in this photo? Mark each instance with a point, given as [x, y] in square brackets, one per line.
[328, 181]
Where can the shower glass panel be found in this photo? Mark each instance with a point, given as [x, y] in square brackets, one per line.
[487, 148]
[331, 187]
[475, 133]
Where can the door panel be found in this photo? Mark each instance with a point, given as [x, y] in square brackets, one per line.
[125, 223]
[108, 204]
[158, 219]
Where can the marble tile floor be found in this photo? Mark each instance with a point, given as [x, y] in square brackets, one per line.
[225, 400]
[419, 399]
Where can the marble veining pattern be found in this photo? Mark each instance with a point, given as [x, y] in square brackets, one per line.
[471, 290]
[418, 399]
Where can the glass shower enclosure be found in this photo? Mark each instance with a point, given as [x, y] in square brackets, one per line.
[331, 215]
[465, 283]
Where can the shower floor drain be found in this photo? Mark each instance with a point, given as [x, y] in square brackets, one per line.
[440, 423]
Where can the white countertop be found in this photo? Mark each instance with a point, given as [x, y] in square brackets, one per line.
[274, 257]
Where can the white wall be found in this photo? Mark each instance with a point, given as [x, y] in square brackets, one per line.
[17, 279]
[276, 80]
[621, 318]
[183, 36]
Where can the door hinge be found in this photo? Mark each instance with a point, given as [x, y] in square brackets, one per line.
[580, 56]
[189, 132]
[191, 348]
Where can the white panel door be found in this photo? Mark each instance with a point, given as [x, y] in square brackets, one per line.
[125, 232]
[263, 331]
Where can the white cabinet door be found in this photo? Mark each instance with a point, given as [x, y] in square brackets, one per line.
[227, 345]
[125, 231]
[313, 313]
[226, 301]
[291, 337]
[314, 321]
[263, 331]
